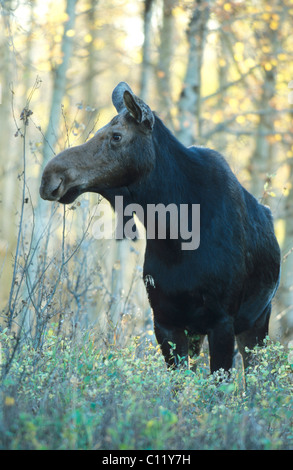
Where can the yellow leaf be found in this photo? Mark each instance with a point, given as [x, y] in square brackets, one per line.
[249, 62]
[88, 38]
[150, 423]
[233, 103]
[9, 401]
[239, 47]
[227, 7]
[70, 33]
[240, 119]
[57, 38]
[217, 117]
[274, 25]
[238, 57]
[44, 67]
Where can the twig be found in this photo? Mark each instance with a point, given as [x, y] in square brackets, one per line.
[10, 309]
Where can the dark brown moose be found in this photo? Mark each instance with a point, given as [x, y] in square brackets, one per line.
[222, 288]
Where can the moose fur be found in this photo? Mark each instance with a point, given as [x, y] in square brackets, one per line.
[222, 289]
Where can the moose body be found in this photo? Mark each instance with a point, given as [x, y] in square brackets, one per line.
[224, 287]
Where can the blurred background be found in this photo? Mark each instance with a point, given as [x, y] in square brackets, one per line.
[219, 74]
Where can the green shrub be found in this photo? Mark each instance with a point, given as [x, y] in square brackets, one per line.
[74, 395]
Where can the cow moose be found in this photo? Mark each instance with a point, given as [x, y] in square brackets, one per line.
[224, 287]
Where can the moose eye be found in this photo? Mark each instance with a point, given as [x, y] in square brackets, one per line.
[116, 137]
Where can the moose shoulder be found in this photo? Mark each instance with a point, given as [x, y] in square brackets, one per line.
[224, 287]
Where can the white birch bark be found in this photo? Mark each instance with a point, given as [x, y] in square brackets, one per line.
[59, 84]
[285, 293]
[262, 159]
[42, 209]
[189, 102]
[9, 156]
[166, 51]
[146, 66]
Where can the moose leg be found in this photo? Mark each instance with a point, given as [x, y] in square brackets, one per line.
[194, 347]
[173, 343]
[255, 336]
[221, 345]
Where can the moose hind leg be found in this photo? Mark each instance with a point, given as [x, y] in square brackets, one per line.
[253, 337]
[174, 345]
[221, 345]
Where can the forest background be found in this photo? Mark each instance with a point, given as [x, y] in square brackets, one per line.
[79, 365]
[219, 74]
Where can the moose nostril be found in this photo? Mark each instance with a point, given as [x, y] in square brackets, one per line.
[55, 192]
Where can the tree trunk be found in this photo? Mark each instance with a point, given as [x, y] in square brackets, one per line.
[59, 85]
[220, 139]
[166, 51]
[9, 156]
[189, 102]
[285, 294]
[42, 208]
[262, 159]
[146, 67]
[90, 84]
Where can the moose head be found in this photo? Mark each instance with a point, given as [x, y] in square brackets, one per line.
[118, 154]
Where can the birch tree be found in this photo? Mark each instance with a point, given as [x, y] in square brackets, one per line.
[189, 102]
[8, 181]
[90, 83]
[286, 290]
[146, 66]
[41, 210]
[59, 83]
[262, 160]
[285, 294]
[166, 51]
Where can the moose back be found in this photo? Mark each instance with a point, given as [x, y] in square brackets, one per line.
[223, 288]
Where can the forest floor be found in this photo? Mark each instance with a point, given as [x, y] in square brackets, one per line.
[71, 394]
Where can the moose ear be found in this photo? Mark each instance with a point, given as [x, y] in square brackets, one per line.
[117, 95]
[138, 109]
[132, 107]
[123, 98]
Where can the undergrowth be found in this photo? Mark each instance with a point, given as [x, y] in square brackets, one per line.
[73, 395]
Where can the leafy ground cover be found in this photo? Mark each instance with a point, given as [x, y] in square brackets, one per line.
[72, 394]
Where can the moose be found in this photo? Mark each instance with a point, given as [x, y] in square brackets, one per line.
[223, 288]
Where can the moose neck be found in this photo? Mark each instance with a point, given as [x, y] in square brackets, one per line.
[167, 196]
[167, 182]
